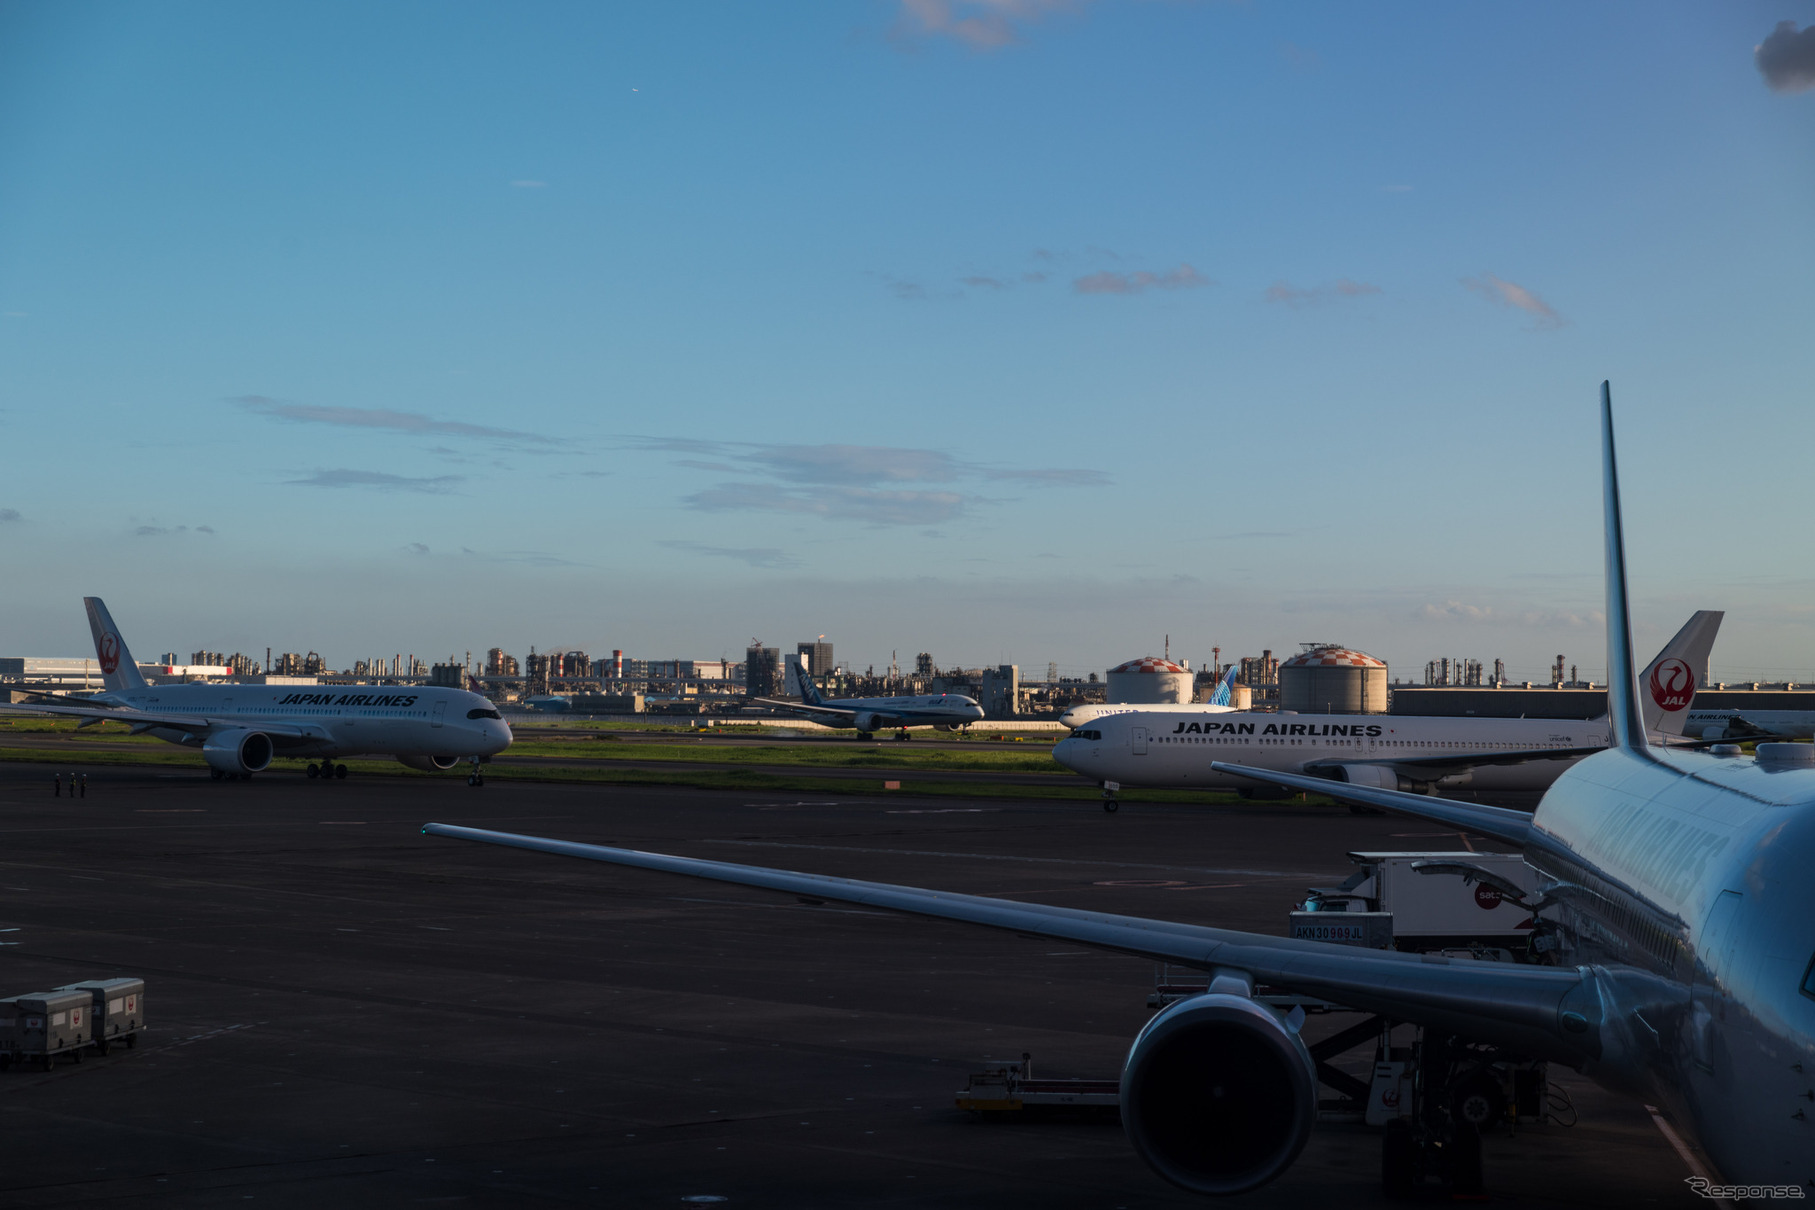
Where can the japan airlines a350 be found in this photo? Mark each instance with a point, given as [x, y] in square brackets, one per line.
[239, 729]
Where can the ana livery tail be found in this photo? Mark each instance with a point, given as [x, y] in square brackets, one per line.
[117, 668]
[1668, 684]
[803, 681]
[1223, 689]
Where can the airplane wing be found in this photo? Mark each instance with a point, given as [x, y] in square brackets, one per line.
[1501, 823]
[1463, 760]
[143, 720]
[1545, 1012]
[803, 707]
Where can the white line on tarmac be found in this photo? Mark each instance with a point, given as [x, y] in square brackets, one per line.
[1682, 1149]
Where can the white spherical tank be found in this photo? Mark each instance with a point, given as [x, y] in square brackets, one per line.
[1327, 679]
[1149, 681]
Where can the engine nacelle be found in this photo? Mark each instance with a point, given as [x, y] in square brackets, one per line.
[1218, 1094]
[427, 763]
[239, 751]
[1380, 777]
[869, 722]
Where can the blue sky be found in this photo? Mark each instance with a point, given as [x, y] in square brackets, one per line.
[1010, 331]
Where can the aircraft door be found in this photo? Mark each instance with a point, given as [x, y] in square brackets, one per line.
[1713, 972]
[440, 715]
[1137, 738]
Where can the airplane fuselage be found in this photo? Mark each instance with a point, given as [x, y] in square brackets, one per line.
[1693, 870]
[337, 720]
[1175, 749]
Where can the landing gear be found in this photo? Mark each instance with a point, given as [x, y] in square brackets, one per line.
[475, 778]
[340, 772]
[1111, 803]
[866, 735]
[902, 734]
[314, 770]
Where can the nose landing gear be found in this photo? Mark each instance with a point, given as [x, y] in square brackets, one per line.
[1111, 803]
[475, 778]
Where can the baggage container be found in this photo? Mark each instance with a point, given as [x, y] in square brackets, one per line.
[116, 1009]
[43, 1025]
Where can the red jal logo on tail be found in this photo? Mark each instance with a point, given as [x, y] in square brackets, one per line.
[109, 650]
[1672, 685]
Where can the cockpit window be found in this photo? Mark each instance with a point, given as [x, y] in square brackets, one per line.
[1087, 733]
[483, 712]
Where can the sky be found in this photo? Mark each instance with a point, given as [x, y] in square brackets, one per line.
[1010, 330]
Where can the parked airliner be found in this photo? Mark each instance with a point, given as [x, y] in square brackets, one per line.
[1169, 747]
[1739, 724]
[948, 711]
[1681, 972]
[1077, 716]
[239, 728]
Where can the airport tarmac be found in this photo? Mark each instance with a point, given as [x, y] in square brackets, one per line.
[344, 1011]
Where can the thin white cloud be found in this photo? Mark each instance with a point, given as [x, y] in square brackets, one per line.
[1293, 296]
[873, 505]
[412, 423]
[1110, 282]
[1512, 294]
[435, 485]
[1786, 58]
[980, 24]
[767, 557]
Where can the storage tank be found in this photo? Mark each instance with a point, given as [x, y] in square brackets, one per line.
[1328, 679]
[1149, 680]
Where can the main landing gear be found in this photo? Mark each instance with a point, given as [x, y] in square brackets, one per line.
[328, 770]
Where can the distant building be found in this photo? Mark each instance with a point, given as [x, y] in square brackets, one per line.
[762, 671]
[999, 691]
[819, 656]
[499, 664]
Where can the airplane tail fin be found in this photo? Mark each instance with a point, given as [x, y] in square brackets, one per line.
[1625, 725]
[1224, 688]
[118, 671]
[803, 676]
[1669, 682]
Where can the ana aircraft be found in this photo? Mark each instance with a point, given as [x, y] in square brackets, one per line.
[238, 729]
[1077, 716]
[1681, 969]
[1166, 746]
[947, 711]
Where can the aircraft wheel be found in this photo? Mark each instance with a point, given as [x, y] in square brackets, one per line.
[865, 735]
[479, 779]
[1111, 805]
[1480, 1102]
[340, 772]
[314, 770]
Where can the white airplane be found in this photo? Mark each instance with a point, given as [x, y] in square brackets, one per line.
[1077, 716]
[1168, 747]
[1737, 724]
[1676, 894]
[947, 711]
[239, 728]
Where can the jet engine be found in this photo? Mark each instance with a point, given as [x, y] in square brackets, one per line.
[427, 763]
[869, 722]
[1380, 777]
[1218, 1094]
[239, 751]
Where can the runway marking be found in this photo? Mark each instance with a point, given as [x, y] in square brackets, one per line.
[943, 811]
[1120, 865]
[172, 810]
[349, 823]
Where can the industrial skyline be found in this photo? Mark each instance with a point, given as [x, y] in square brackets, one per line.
[600, 327]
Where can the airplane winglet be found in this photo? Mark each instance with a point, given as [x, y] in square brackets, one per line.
[1625, 722]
